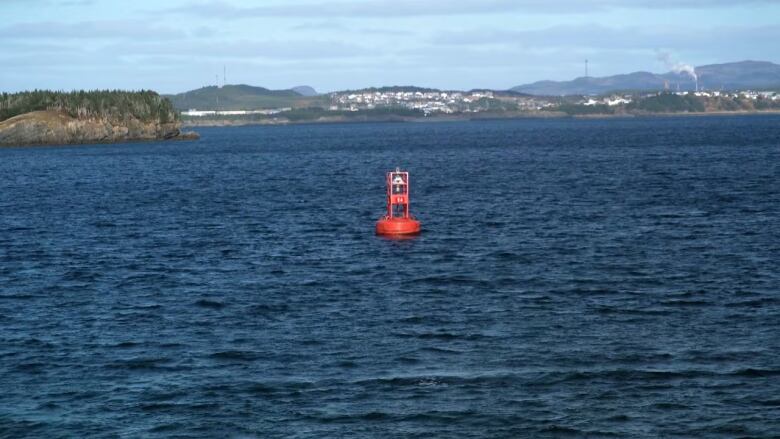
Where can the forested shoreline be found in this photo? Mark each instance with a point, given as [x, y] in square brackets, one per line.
[113, 105]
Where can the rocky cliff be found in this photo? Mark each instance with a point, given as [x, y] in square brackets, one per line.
[59, 128]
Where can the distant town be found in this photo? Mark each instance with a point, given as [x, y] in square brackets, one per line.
[433, 102]
[742, 87]
[425, 102]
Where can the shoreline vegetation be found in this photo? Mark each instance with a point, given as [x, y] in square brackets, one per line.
[411, 104]
[44, 117]
[206, 122]
[404, 117]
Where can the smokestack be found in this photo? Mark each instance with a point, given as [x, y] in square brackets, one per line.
[678, 67]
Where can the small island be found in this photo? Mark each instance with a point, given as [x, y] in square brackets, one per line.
[43, 117]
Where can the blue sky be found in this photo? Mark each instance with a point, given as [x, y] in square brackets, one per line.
[174, 46]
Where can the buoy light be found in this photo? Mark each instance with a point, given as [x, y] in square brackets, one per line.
[398, 220]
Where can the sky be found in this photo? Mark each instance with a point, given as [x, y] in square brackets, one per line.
[179, 45]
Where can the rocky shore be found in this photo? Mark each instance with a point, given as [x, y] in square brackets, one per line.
[58, 128]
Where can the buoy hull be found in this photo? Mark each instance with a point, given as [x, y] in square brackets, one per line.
[397, 226]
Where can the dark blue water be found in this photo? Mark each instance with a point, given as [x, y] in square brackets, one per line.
[574, 279]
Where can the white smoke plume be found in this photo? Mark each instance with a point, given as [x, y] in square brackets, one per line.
[677, 67]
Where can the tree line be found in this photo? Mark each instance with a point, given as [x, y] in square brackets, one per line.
[117, 105]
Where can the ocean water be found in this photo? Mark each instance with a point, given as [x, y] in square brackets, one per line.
[574, 278]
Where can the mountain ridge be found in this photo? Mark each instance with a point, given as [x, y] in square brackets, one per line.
[739, 75]
[726, 76]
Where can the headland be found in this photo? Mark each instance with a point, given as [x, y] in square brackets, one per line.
[66, 118]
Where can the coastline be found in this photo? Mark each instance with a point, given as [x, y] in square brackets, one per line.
[460, 118]
[56, 128]
[46, 128]
[463, 117]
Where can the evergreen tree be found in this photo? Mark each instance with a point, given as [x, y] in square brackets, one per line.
[115, 105]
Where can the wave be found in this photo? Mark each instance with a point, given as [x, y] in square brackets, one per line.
[31, 368]
[17, 296]
[624, 375]
[264, 388]
[756, 373]
[81, 275]
[606, 310]
[235, 355]
[508, 256]
[455, 280]
[126, 344]
[756, 303]
[769, 402]
[164, 428]
[212, 304]
[415, 320]
[440, 350]
[383, 416]
[265, 309]
[438, 380]
[157, 406]
[561, 377]
[141, 363]
[347, 418]
[686, 303]
[443, 336]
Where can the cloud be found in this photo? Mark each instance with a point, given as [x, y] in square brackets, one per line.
[92, 30]
[203, 32]
[385, 32]
[412, 8]
[320, 26]
[340, 28]
[36, 48]
[718, 38]
[243, 49]
[76, 2]
[346, 43]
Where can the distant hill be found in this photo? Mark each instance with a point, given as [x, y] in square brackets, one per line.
[739, 75]
[305, 90]
[238, 97]
[728, 76]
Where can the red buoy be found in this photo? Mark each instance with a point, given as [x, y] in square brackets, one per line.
[397, 221]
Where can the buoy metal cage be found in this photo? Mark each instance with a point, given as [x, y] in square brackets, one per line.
[397, 220]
